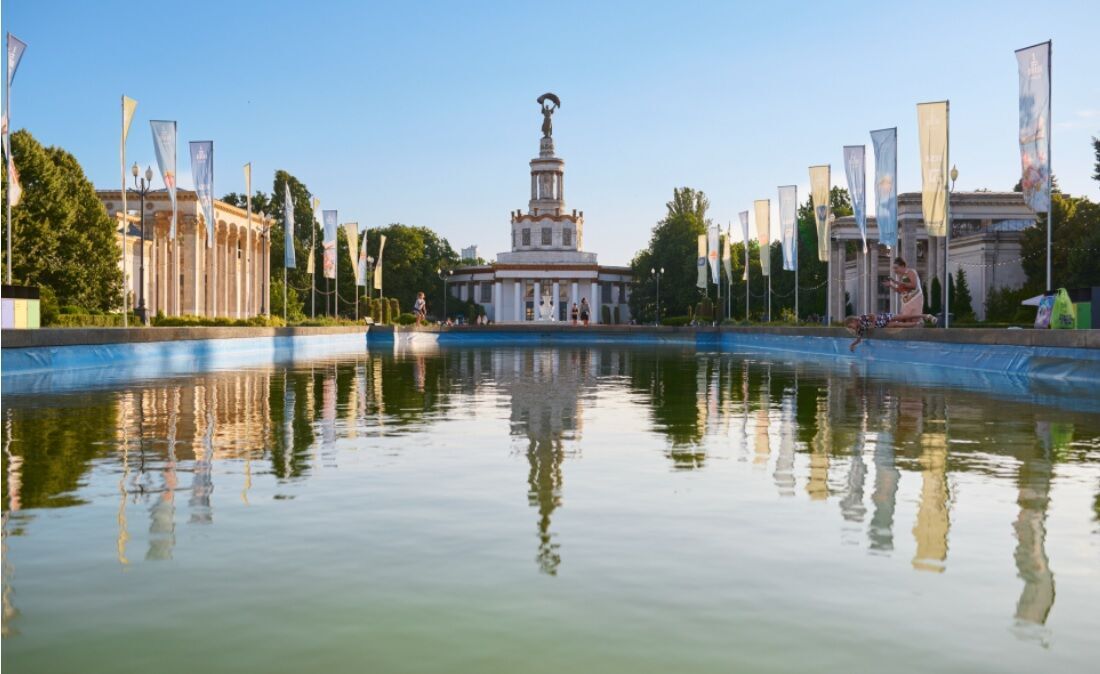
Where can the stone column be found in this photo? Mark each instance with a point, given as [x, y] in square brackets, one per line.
[859, 302]
[576, 301]
[517, 297]
[538, 299]
[197, 265]
[555, 301]
[498, 300]
[595, 302]
[873, 287]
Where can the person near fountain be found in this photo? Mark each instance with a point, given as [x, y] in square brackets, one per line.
[907, 285]
[420, 308]
[574, 313]
[584, 311]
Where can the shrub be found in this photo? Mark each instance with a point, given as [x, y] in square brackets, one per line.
[71, 309]
[395, 308]
[605, 314]
[1002, 305]
[406, 319]
[387, 311]
[616, 315]
[376, 310]
[90, 321]
[676, 320]
[48, 310]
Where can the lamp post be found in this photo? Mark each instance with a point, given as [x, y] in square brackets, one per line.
[142, 188]
[658, 274]
[444, 275]
[947, 252]
[370, 277]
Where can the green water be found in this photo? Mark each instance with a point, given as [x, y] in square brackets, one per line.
[548, 510]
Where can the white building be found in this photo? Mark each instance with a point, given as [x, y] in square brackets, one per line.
[547, 269]
[471, 253]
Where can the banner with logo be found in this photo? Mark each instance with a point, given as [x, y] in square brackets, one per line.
[1034, 64]
[727, 256]
[763, 211]
[16, 47]
[701, 263]
[289, 260]
[378, 264]
[788, 225]
[820, 180]
[329, 258]
[202, 172]
[712, 253]
[351, 231]
[164, 145]
[855, 169]
[363, 260]
[932, 120]
[885, 142]
[744, 216]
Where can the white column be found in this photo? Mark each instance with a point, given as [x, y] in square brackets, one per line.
[538, 299]
[498, 300]
[517, 291]
[575, 301]
[554, 303]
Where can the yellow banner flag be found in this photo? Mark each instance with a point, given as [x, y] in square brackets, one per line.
[378, 265]
[932, 119]
[351, 230]
[763, 208]
[309, 262]
[129, 105]
[820, 180]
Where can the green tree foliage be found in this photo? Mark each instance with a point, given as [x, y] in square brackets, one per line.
[962, 305]
[410, 261]
[673, 245]
[62, 237]
[1075, 245]
[935, 297]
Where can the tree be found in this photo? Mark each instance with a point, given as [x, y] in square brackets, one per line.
[62, 237]
[409, 263]
[673, 246]
[1074, 242]
[935, 297]
[962, 305]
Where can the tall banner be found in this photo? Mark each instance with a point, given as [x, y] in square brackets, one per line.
[744, 217]
[351, 230]
[701, 263]
[289, 260]
[932, 120]
[202, 172]
[164, 144]
[16, 47]
[855, 169]
[788, 225]
[820, 180]
[329, 259]
[727, 256]
[885, 142]
[378, 264]
[763, 209]
[14, 188]
[712, 253]
[1034, 64]
[311, 263]
[362, 275]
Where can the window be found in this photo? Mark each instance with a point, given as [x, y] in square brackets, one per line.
[547, 236]
[527, 236]
[486, 291]
[567, 237]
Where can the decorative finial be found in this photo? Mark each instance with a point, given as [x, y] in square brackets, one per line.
[549, 102]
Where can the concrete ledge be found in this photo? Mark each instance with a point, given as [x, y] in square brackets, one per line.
[21, 339]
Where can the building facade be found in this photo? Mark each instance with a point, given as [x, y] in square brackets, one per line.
[547, 269]
[986, 232]
[230, 278]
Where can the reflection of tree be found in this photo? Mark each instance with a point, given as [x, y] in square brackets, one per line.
[670, 380]
[1032, 565]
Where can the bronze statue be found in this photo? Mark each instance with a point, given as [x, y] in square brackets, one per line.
[549, 103]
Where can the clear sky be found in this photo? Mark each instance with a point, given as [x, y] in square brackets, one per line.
[424, 113]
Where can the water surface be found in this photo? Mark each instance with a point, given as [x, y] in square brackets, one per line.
[549, 510]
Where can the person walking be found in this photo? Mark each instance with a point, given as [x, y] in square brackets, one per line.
[584, 311]
[420, 308]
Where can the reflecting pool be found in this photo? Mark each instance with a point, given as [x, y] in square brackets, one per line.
[550, 510]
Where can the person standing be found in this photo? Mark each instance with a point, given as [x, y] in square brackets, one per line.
[584, 311]
[420, 308]
[574, 313]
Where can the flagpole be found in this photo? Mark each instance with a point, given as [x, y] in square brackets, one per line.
[11, 161]
[947, 239]
[248, 246]
[769, 298]
[1050, 165]
[125, 221]
[747, 280]
[285, 293]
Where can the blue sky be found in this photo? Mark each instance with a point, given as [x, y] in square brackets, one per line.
[425, 113]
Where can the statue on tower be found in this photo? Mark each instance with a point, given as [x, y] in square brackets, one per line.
[550, 103]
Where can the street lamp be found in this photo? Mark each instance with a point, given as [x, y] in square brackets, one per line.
[658, 274]
[444, 275]
[370, 277]
[954, 175]
[142, 188]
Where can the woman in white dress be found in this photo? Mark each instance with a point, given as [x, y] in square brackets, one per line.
[907, 286]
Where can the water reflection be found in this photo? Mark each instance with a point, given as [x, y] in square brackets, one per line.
[809, 433]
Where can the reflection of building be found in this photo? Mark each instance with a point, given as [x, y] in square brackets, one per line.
[228, 279]
[547, 269]
[985, 241]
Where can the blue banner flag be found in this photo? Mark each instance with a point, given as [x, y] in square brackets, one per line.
[288, 226]
[855, 159]
[329, 264]
[164, 143]
[202, 172]
[16, 47]
[1034, 64]
[885, 142]
[788, 225]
